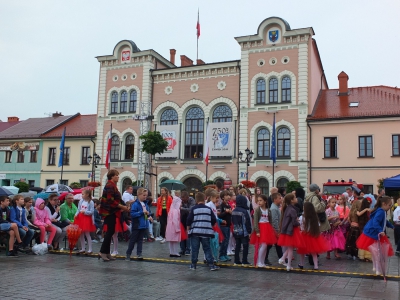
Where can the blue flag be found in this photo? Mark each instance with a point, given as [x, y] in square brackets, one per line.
[273, 143]
[61, 160]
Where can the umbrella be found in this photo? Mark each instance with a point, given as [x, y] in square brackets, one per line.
[12, 189]
[56, 188]
[173, 184]
[74, 192]
[5, 192]
[73, 234]
[36, 189]
[44, 196]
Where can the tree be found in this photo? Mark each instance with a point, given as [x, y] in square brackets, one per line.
[153, 143]
[23, 187]
[292, 185]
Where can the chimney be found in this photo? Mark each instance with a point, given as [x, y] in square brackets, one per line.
[13, 119]
[186, 61]
[200, 62]
[172, 53]
[343, 88]
[57, 114]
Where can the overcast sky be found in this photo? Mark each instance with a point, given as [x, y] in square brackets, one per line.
[48, 48]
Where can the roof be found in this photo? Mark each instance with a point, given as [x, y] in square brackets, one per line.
[6, 125]
[373, 102]
[80, 126]
[33, 127]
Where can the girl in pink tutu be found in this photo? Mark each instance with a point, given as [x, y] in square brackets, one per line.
[84, 218]
[263, 234]
[314, 243]
[290, 236]
[343, 211]
[334, 235]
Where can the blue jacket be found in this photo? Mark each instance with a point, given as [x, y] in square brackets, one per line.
[138, 217]
[376, 224]
[15, 215]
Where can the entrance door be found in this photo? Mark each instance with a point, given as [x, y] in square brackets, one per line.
[193, 184]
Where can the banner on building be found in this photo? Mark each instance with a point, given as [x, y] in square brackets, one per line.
[20, 146]
[220, 139]
[170, 133]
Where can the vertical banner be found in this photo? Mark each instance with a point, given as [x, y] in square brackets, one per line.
[220, 139]
[170, 133]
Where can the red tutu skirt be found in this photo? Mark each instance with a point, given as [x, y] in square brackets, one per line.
[363, 242]
[220, 234]
[267, 235]
[313, 244]
[118, 226]
[183, 233]
[295, 240]
[85, 222]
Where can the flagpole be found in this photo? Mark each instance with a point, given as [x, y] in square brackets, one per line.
[62, 146]
[197, 34]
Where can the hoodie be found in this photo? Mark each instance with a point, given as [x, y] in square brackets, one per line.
[42, 217]
[376, 224]
[241, 218]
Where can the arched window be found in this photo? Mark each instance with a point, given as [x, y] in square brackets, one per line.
[127, 181]
[163, 179]
[282, 182]
[194, 133]
[260, 91]
[273, 90]
[263, 141]
[283, 142]
[223, 113]
[123, 102]
[114, 148]
[129, 146]
[133, 101]
[169, 117]
[286, 89]
[263, 184]
[114, 102]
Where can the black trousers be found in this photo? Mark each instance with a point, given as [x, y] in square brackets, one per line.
[110, 221]
[278, 251]
[163, 223]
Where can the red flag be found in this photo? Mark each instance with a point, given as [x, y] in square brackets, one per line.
[198, 24]
[207, 147]
[108, 156]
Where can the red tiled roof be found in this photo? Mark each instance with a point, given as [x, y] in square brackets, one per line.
[82, 125]
[373, 101]
[6, 125]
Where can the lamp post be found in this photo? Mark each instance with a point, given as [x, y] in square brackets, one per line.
[247, 160]
[95, 161]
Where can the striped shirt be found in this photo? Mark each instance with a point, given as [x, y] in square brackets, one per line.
[201, 219]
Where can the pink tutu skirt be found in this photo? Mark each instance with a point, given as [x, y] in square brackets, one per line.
[295, 240]
[363, 242]
[335, 238]
[313, 244]
[267, 235]
[85, 222]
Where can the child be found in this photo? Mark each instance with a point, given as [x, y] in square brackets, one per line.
[290, 236]
[11, 228]
[374, 232]
[84, 218]
[334, 235]
[200, 224]
[263, 233]
[275, 219]
[396, 221]
[354, 232]
[314, 243]
[30, 216]
[241, 229]
[363, 218]
[232, 242]
[344, 212]
[97, 220]
[44, 223]
[225, 213]
[173, 233]
[139, 215]
[18, 216]
[218, 235]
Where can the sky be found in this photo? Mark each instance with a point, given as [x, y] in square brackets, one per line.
[48, 48]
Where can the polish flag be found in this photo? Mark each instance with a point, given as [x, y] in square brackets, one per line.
[207, 150]
[198, 24]
[108, 156]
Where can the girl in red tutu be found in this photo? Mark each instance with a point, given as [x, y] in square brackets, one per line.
[84, 218]
[314, 243]
[374, 233]
[290, 236]
[263, 233]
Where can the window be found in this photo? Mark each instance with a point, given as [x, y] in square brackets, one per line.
[31, 183]
[85, 154]
[33, 156]
[64, 182]
[194, 133]
[368, 188]
[83, 183]
[49, 182]
[365, 146]
[8, 156]
[396, 145]
[124, 102]
[222, 113]
[282, 182]
[330, 147]
[260, 91]
[114, 148]
[273, 90]
[283, 142]
[129, 146]
[52, 156]
[263, 184]
[169, 117]
[20, 156]
[67, 152]
[133, 101]
[263, 141]
[286, 89]
[114, 102]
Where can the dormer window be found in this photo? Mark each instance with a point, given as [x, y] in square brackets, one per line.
[353, 104]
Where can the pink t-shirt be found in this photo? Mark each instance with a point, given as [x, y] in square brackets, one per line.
[342, 214]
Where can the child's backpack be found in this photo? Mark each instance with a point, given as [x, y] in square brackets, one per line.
[238, 229]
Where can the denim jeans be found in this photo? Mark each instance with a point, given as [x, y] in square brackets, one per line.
[26, 236]
[205, 242]
[136, 237]
[397, 236]
[239, 241]
[185, 245]
[223, 250]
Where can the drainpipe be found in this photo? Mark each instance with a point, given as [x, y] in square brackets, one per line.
[93, 170]
[240, 82]
[310, 151]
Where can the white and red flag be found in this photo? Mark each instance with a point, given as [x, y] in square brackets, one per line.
[198, 24]
[206, 146]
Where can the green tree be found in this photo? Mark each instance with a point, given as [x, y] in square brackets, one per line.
[292, 185]
[75, 185]
[153, 143]
[23, 186]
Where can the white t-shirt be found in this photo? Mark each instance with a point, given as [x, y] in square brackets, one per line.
[213, 208]
[264, 216]
[127, 197]
[396, 215]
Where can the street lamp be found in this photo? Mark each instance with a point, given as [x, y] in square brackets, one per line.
[247, 160]
[94, 162]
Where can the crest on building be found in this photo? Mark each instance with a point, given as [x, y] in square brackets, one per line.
[126, 55]
[273, 35]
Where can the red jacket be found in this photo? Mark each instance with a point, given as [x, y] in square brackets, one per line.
[159, 205]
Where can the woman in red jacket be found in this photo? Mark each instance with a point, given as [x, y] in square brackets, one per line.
[163, 205]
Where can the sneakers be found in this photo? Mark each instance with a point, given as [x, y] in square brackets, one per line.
[151, 236]
[261, 266]
[231, 253]
[214, 268]
[159, 238]
[397, 253]
[49, 247]
[127, 258]
[192, 267]
[246, 264]
[300, 266]
[115, 253]
[224, 258]
[282, 262]
[139, 257]
[267, 262]
[187, 252]
[12, 254]
[237, 263]
[288, 269]
[162, 241]
[95, 241]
